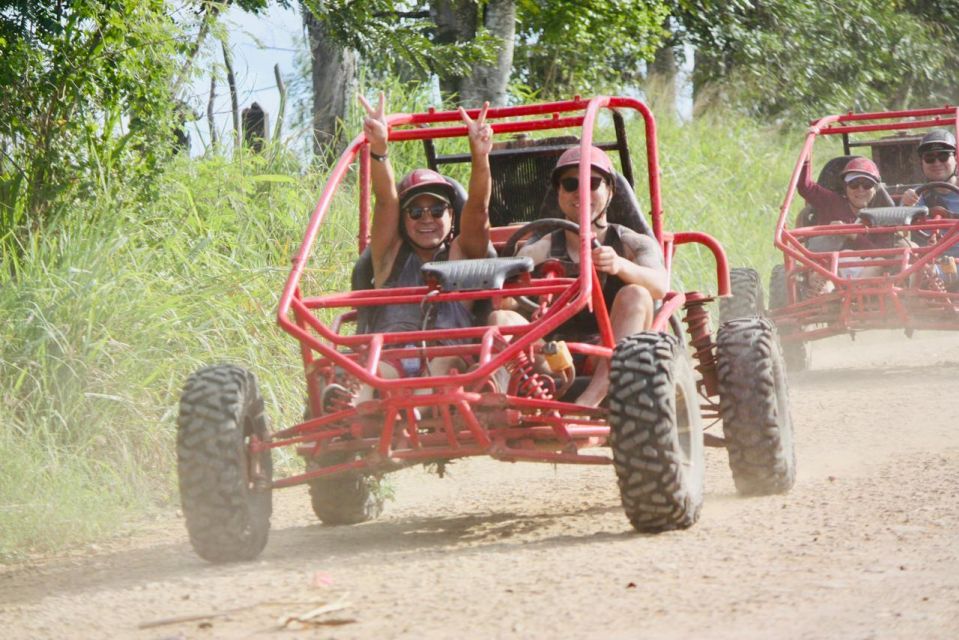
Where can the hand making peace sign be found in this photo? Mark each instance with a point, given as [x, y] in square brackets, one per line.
[480, 133]
[374, 124]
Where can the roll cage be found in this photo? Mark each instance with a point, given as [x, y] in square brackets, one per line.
[325, 348]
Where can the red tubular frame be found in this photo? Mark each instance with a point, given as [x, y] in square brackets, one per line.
[506, 427]
[864, 303]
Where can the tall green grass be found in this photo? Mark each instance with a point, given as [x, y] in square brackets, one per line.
[111, 309]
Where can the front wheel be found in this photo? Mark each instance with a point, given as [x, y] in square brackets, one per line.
[795, 352]
[656, 432]
[754, 406]
[225, 491]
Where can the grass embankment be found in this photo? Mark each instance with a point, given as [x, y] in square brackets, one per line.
[113, 308]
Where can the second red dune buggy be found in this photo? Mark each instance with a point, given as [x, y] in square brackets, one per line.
[501, 404]
[910, 278]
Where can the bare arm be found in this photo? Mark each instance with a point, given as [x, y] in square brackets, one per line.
[473, 238]
[642, 264]
[385, 239]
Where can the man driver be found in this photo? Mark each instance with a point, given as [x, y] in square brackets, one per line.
[937, 152]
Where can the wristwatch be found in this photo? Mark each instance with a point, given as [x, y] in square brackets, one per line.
[380, 157]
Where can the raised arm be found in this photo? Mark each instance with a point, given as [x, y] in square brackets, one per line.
[473, 238]
[385, 238]
[829, 205]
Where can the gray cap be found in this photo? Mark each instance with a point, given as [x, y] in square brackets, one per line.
[937, 139]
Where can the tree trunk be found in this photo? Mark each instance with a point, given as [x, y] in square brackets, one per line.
[334, 81]
[662, 75]
[455, 21]
[210, 14]
[488, 82]
[234, 100]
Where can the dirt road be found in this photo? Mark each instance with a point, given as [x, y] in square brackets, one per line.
[865, 546]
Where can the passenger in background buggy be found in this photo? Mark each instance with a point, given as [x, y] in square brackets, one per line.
[630, 264]
[861, 180]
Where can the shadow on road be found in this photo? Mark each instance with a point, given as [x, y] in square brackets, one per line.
[366, 543]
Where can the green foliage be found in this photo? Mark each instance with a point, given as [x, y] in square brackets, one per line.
[564, 48]
[804, 58]
[106, 321]
[389, 34]
[86, 103]
[561, 47]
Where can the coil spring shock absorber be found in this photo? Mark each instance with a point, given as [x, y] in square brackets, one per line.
[934, 281]
[697, 322]
[524, 381]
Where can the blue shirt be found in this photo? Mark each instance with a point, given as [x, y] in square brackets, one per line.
[949, 200]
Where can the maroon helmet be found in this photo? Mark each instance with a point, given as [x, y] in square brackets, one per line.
[860, 168]
[597, 159]
[420, 181]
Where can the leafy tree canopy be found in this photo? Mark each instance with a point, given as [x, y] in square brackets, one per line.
[781, 59]
[562, 47]
[393, 34]
[86, 100]
[591, 45]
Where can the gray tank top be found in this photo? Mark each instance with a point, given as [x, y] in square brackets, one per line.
[409, 317]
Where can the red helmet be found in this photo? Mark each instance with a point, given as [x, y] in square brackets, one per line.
[421, 181]
[597, 159]
[860, 167]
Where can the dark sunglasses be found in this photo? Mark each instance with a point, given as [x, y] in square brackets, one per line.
[861, 184]
[936, 156]
[436, 210]
[572, 184]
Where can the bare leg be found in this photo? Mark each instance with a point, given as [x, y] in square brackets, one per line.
[632, 312]
[366, 391]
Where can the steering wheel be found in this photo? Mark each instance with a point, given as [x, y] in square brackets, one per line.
[936, 185]
[948, 186]
[543, 227]
[921, 191]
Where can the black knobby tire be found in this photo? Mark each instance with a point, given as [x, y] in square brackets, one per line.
[746, 300]
[796, 356]
[778, 296]
[656, 432]
[795, 352]
[225, 494]
[754, 406]
[347, 498]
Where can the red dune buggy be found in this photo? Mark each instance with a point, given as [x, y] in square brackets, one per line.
[912, 283]
[500, 405]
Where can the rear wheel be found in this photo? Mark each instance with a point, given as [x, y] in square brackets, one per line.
[795, 352]
[778, 296]
[656, 432]
[225, 491]
[346, 498]
[746, 300]
[754, 406]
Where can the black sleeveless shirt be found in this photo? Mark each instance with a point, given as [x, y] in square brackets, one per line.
[583, 325]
